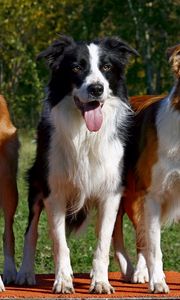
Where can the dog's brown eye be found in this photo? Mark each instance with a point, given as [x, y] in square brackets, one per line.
[76, 69]
[106, 68]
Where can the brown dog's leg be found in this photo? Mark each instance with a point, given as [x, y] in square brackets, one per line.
[9, 204]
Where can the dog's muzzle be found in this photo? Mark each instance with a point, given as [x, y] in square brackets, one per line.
[92, 113]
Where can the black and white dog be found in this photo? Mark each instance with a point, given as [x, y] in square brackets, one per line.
[80, 150]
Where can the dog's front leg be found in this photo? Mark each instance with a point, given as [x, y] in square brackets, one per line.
[9, 205]
[107, 212]
[56, 210]
[157, 283]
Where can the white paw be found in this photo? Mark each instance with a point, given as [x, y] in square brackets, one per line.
[140, 275]
[63, 284]
[99, 274]
[9, 274]
[158, 286]
[100, 287]
[2, 288]
[24, 278]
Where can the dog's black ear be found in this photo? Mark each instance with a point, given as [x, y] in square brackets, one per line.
[118, 44]
[122, 49]
[54, 53]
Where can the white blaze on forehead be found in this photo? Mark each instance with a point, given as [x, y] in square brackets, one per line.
[94, 53]
[96, 75]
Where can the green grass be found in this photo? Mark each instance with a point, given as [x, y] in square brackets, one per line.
[82, 246]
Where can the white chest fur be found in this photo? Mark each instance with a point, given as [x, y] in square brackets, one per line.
[84, 162]
[166, 172]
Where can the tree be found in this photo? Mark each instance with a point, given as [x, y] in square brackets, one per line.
[28, 27]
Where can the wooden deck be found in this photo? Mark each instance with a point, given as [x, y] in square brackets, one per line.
[123, 290]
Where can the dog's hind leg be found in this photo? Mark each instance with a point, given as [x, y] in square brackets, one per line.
[141, 271]
[26, 274]
[120, 252]
[9, 205]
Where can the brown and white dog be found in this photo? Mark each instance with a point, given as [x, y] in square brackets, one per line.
[152, 195]
[8, 189]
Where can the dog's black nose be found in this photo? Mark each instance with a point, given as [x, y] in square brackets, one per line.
[95, 90]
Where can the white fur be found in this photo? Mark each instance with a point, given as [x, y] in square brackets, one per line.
[141, 272]
[93, 158]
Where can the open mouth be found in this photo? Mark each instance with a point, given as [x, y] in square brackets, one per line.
[92, 113]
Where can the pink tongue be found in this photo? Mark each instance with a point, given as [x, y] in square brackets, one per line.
[93, 118]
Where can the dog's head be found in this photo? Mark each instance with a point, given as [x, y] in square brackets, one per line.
[173, 55]
[90, 72]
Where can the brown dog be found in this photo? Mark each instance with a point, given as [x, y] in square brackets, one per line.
[152, 195]
[8, 188]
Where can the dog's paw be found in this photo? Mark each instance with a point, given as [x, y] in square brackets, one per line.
[9, 275]
[140, 275]
[64, 285]
[158, 287]
[2, 288]
[25, 278]
[101, 288]
[128, 275]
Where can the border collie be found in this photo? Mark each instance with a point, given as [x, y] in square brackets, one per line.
[80, 149]
[8, 189]
[152, 195]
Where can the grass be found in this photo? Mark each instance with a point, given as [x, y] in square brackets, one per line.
[81, 247]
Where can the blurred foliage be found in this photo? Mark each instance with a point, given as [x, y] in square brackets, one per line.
[28, 26]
